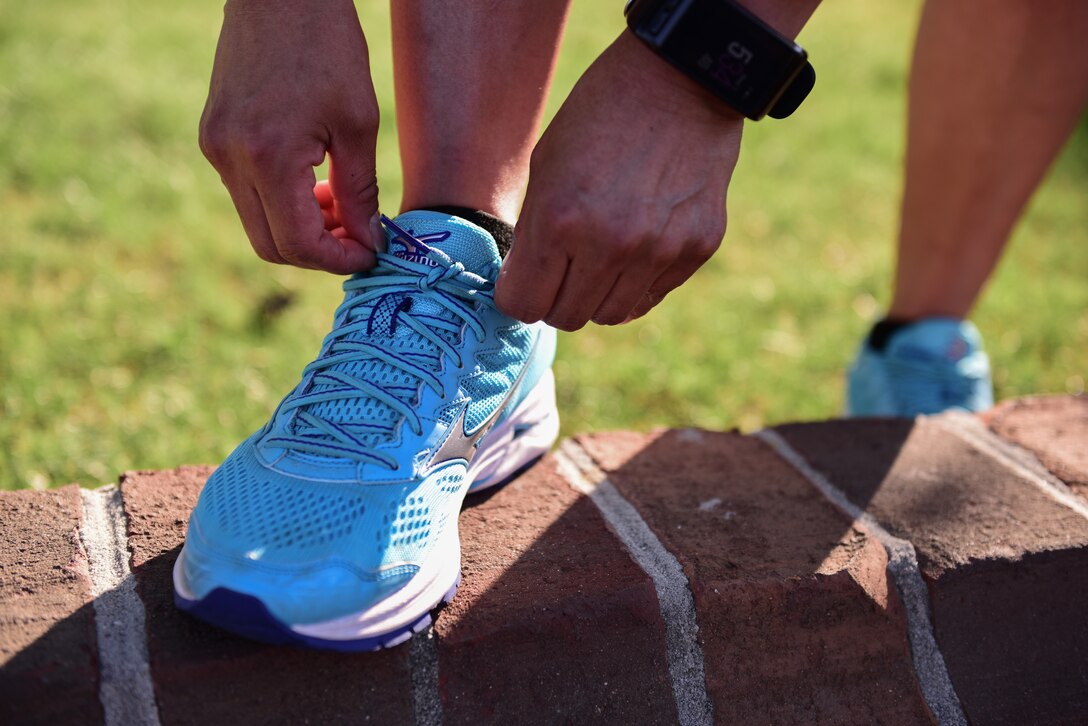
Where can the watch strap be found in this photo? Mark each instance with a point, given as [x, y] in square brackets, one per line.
[787, 76]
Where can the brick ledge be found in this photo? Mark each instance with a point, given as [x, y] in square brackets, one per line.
[867, 570]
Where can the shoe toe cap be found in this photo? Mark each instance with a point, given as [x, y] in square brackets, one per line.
[296, 594]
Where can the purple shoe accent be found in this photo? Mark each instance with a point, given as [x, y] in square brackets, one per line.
[415, 248]
[410, 242]
[247, 616]
[448, 597]
[401, 637]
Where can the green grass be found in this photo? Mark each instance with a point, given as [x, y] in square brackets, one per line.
[140, 331]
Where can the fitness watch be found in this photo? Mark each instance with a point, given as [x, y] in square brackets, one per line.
[730, 52]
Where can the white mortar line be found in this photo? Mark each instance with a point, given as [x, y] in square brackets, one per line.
[1014, 458]
[423, 659]
[125, 688]
[684, 654]
[929, 665]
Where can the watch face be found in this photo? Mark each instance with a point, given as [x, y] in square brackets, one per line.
[730, 52]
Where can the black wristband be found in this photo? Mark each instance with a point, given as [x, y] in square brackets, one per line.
[732, 53]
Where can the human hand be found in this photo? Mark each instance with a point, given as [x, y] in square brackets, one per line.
[291, 81]
[626, 195]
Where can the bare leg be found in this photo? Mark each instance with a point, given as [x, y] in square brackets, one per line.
[995, 90]
[471, 82]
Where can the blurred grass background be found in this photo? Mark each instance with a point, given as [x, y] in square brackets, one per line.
[140, 331]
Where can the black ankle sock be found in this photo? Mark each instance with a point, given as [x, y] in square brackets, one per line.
[500, 230]
[883, 331]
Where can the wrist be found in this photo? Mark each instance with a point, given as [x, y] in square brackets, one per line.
[656, 75]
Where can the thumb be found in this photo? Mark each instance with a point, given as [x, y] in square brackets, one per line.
[529, 281]
[354, 184]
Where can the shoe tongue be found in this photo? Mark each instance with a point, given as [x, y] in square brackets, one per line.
[460, 240]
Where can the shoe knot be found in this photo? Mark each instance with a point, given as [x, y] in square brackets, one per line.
[438, 274]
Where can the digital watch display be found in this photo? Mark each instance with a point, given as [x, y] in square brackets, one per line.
[729, 51]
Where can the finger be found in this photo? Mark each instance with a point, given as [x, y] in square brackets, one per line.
[583, 289]
[529, 280]
[251, 213]
[626, 294]
[323, 194]
[353, 183]
[298, 229]
[669, 280]
[328, 218]
[644, 268]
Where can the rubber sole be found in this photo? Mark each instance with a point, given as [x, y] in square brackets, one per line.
[247, 616]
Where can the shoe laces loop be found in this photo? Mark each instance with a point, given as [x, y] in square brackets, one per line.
[439, 274]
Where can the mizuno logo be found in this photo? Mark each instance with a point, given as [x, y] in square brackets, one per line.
[416, 249]
[460, 445]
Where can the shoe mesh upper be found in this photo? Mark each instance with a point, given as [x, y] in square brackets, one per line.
[246, 507]
[252, 505]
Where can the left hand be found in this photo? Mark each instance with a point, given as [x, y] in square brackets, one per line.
[626, 195]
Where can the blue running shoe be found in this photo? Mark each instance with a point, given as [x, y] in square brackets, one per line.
[933, 365]
[335, 525]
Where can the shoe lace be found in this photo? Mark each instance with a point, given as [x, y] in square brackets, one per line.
[459, 293]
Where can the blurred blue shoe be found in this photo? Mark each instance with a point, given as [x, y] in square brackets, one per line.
[930, 366]
[335, 525]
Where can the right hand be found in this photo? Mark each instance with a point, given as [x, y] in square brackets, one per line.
[291, 82]
[626, 196]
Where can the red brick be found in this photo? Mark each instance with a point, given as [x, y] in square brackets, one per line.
[1054, 428]
[798, 620]
[554, 622]
[203, 675]
[1006, 565]
[48, 650]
